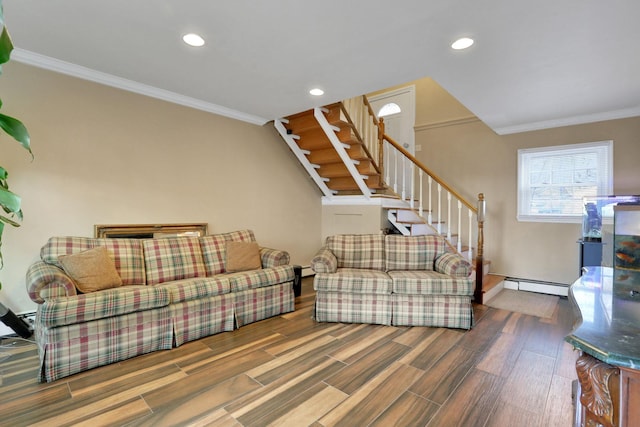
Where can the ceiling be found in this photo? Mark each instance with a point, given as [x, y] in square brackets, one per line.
[535, 64]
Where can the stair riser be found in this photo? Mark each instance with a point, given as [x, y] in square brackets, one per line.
[348, 184]
[339, 170]
[320, 157]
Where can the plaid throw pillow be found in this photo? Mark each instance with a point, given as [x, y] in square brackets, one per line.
[172, 258]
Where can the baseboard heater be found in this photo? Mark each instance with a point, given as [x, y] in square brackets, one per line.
[540, 287]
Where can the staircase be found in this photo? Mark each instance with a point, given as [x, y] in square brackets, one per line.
[329, 146]
[345, 151]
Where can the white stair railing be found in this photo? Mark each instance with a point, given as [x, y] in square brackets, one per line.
[445, 209]
[401, 170]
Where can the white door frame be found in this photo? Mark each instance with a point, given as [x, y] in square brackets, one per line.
[411, 90]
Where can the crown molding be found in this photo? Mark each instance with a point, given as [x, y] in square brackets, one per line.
[570, 121]
[445, 123]
[63, 67]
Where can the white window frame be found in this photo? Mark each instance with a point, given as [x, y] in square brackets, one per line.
[604, 152]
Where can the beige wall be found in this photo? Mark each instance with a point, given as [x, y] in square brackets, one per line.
[105, 156]
[352, 219]
[474, 159]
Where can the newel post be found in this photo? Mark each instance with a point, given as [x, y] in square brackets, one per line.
[381, 145]
[479, 253]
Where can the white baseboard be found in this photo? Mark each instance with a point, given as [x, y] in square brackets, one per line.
[511, 284]
[539, 287]
[307, 271]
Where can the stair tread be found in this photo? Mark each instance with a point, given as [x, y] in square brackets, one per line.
[490, 281]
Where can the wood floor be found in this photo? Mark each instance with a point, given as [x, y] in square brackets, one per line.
[510, 370]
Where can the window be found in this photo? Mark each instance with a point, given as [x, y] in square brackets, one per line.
[553, 180]
[389, 109]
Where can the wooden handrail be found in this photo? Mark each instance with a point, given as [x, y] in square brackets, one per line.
[371, 112]
[429, 172]
[378, 123]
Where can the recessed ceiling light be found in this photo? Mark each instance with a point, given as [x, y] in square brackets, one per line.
[462, 43]
[193, 40]
[316, 92]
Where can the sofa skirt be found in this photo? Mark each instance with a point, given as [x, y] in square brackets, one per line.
[257, 304]
[202, 317]
[66, 350]
[447, 311]
[353, 308]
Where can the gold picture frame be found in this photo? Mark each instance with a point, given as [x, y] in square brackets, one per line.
[149, 231]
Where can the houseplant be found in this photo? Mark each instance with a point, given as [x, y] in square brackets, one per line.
[10, 201]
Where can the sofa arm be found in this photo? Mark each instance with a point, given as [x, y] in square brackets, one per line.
[453, 265]
[273, 257]
[324, 262]
[46, 281]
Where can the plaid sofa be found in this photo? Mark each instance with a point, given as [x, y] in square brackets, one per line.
[392, 280]
[175, 289]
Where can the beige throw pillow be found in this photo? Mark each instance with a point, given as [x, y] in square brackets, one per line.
[243, 256]
[91, 270]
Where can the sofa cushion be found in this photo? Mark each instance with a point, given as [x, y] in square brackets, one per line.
[127, 254]
[214, 252]
[99, 305]
[422, 282]
[242, 256]
[254, 279]
[172, 258]
[413, 252]
[351, 280]
[196, 288]
[365, 251]
[92, 270]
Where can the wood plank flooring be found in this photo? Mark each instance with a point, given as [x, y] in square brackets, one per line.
[510, 370]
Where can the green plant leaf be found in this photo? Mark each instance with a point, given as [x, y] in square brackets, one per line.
[1, 230]
[9, 201]
[6, 46]
[17, 130]
[7, 220]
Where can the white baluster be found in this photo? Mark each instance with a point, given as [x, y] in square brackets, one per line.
[459, 226]
[387, 166]
[449, 217]
[430, 182]
[365, 136]
[470, 235]
[439, 209]
[420, 177]
[413, 186]
[404, 177]
[395, 170]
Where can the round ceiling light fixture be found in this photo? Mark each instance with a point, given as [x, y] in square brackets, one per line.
[193, 39]
[462, 43]
[316, 91]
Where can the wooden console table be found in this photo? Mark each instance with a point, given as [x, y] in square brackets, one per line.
[607, 303]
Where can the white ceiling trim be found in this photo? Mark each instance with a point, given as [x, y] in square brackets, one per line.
[63, 67]
[570, 121]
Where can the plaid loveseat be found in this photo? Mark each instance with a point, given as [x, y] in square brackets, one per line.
[174, 290]
[392, 280]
